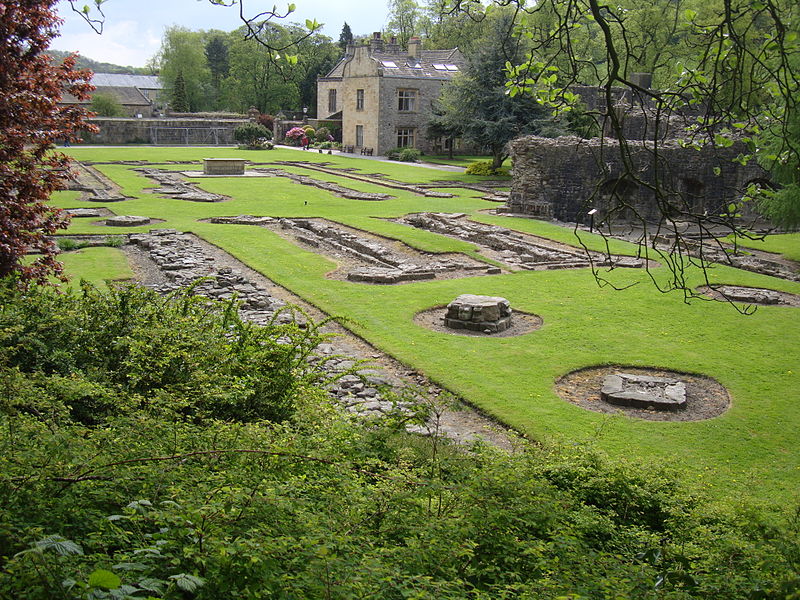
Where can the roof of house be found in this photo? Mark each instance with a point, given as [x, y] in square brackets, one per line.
[126, 96]
[145, 82]
[431, 64]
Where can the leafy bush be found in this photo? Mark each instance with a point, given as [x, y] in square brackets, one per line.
[404, 154]
[484, 167]
[323, 134]
[106, 105]
[182, 356]
[136, 463]
[253, 135]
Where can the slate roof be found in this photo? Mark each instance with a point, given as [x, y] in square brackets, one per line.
[126, 96]
[145, 82]
[404, 62]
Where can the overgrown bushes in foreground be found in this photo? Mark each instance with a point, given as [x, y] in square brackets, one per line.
[161, 448]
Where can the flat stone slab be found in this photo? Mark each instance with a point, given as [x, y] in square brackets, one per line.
[644, 391]
[490, 314]
[223, 166]
[127, 221]
[83, 212]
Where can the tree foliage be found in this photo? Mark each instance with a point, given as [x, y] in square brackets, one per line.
[184, 69]
[724, 72]
[345, 37]
[106, 105]
[475, 104]
[31, 123]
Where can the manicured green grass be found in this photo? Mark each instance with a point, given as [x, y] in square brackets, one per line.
[97, 265]
[787, 244]
[460, 160]
[749, 452]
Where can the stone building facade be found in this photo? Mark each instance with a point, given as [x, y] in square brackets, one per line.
[384, 95]
[563, 178]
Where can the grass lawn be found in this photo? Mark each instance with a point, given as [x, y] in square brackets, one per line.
[460, 160]
[787, 244]
[749, 452]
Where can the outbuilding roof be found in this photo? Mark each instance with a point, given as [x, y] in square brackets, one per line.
[144, 82]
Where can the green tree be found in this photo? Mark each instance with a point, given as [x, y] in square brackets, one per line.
[403, 19]
[256, 79]
[345, 37]
[106, 105]
[217, 58]
[475, 104]
[180, 102]
[183, 53]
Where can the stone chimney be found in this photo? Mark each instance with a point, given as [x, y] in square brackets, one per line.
[393, 47]
[415, 47]
[376, 43]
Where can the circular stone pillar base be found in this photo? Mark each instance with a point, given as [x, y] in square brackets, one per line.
[127, 221]
[489, 314]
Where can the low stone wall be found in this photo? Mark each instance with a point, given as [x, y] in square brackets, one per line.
[564, 177]
[163, 131]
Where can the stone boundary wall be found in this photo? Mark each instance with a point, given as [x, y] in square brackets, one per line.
[163, 131]
[564, 177]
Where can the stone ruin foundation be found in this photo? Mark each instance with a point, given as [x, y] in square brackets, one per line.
[488, 314]
[644, 391]
[750, 295]
[364, 257]
[515, 250]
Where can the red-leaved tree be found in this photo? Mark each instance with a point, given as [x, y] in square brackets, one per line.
[31, 123]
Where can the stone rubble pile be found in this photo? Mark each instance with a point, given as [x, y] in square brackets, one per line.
[376, 178]
[183, 261]
[644, 391]
[174, 186]
[753, 295]
[127, 221]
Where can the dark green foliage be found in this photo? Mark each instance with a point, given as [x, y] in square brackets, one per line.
[251, 134]
[217, 57]
[127, 469]
[180, 100]
[106, 105]
[484, 167]
[475, 105]
[180, 356]
[345, 37]
[404, 154]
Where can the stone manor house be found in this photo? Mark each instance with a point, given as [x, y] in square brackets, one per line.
[384, 95]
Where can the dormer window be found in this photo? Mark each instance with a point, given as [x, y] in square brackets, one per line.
[414, 64]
